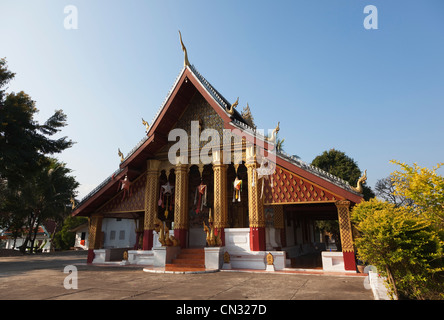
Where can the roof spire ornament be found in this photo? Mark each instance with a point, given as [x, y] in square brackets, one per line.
[234, 105]
[362, 180]
[186, 62]
[120, 155]
[248, 117]
[146, 124]
[274, 133]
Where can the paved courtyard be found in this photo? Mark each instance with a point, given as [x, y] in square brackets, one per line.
[43, 277]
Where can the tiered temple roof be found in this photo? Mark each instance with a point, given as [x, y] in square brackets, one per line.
[143, 150]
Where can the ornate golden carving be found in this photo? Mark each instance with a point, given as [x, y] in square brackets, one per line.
[255, 202]
[226, 257]
[274, 133]
[151, 192]
[146, 124]
[212, 239]
[120, 155]
[164, 235]
[270, 259]
[345, 225]
[181, 198]
[95, 232]
[234, 105]
[248, 117]
[184, 49]
[73, 203]
[220, 196]
[125, 255]
[361, 181]
[279, 217]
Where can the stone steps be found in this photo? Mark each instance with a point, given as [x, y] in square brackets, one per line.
[188, 260]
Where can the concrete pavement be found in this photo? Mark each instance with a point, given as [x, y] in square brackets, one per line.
[42, 277]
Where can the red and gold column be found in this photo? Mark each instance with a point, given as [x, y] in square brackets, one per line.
[151, 192]
[348, 251]
[181, 204]
[255, 208]
[220, 199]
[279, 223]
[95, 236]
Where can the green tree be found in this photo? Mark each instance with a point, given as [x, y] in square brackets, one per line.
[64, 239]
[385, 190]
[46, 195]
[34, 187]
[24, 143]
[404, 246]
[405, 239]
[425, 188]
[342, 166]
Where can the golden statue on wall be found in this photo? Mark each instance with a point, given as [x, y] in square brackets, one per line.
[270, 259]
[164, 235]
[212, 239]
[226, 257]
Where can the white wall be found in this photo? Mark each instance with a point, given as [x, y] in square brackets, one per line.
[119, 234]
[19, 242]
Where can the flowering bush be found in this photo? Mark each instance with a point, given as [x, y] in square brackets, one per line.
[406, 243]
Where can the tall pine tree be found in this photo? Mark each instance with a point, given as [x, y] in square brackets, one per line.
[34, 186]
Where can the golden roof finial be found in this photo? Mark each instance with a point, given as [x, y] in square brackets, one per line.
[359, 187]
[234, 105]
[73, 203]
[146, 124]
[186, 62]
[120, 155]
[274, 133]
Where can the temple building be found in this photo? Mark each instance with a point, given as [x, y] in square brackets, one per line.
[183, 187]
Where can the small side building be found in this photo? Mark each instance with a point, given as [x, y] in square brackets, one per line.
[42, 240]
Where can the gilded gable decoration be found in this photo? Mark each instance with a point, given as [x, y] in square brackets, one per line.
[185, 62]
[288, 188]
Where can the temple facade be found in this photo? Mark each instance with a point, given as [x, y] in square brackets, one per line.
[204, 171]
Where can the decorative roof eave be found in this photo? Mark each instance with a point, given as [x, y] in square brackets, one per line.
[205, 88]
[99, 190]
[167, 98]
[292, 163]
[217, 97]
[220, 105]
[343, 188]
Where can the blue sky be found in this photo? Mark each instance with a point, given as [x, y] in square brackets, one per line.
[377, 95]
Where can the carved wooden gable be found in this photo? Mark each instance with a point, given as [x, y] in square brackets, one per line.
[198, 110]
[129, 203]
[290, 188]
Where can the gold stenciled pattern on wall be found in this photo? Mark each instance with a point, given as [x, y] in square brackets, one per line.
[95, 228]
[290, 188]
[135, 202]
[199, 110]
[255, 205]
[345, 225]
[220, 196]
[181, 195]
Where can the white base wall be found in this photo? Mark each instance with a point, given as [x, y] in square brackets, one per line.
[141, 257]
[332, 261]
[237, 243]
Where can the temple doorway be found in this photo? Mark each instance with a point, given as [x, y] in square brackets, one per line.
[306, 236]
[200, 200]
